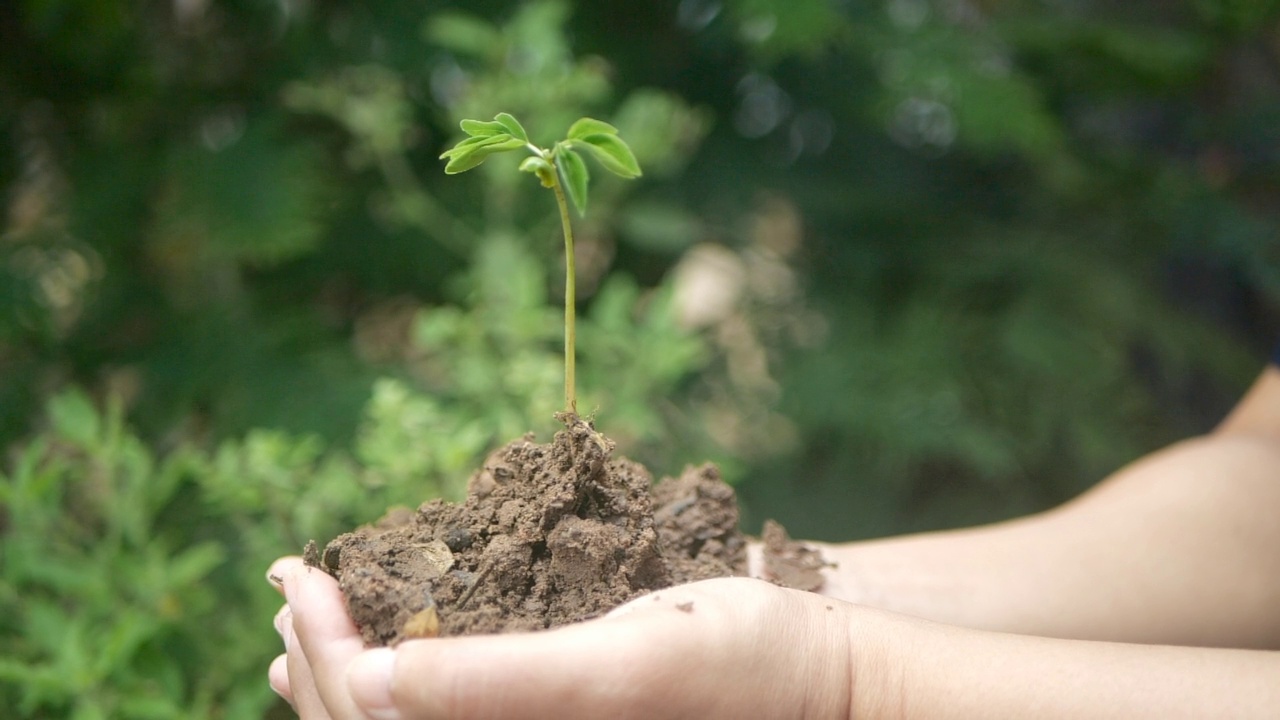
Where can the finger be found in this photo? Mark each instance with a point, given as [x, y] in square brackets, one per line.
[278, 678]
[677, 598]
[283, 616]
[327, 637]
[307, 700]
[631, 606]
[280, 568]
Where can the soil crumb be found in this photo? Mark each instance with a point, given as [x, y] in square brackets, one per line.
[549, 534]
[790, 563]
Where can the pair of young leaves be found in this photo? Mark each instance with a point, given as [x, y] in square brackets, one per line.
[504, 132]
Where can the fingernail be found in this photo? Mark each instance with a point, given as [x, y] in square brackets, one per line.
[276, 570]
[369, 677]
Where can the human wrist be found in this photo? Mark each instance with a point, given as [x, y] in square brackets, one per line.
[883, 649]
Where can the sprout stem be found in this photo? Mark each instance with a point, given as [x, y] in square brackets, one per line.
[570, 300]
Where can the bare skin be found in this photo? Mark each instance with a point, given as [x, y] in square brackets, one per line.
[1044, 618]
[1179, 547]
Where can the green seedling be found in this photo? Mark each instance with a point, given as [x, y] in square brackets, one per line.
[560, 168]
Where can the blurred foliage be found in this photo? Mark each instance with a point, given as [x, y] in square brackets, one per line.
[896, 264]
[131, 585]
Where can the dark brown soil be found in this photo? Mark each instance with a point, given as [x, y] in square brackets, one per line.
[548, 535]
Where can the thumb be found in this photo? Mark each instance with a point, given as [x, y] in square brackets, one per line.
[567, 673]
[369, 679]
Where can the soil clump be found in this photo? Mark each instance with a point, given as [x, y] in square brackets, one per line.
[549, 534]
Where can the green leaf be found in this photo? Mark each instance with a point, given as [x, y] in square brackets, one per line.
[465, 155]
[511, 143]
[482, 128]
[534, 164]
[574, 172]
[612, 153]
[540, 167]
[512, 125]
[590, 126]
[471, 143]
[463, 163]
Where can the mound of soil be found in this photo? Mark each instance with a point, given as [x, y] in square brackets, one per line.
[549, 534]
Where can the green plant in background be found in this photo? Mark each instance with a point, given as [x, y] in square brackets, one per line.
[101, 605]
[131, 583]
[550, 165]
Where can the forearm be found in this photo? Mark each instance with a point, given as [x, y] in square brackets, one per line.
[917, 669]
[1181, 547]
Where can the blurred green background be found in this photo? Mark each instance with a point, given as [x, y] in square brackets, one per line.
[894, 264]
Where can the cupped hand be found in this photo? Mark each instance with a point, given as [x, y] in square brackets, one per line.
[725, 648]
